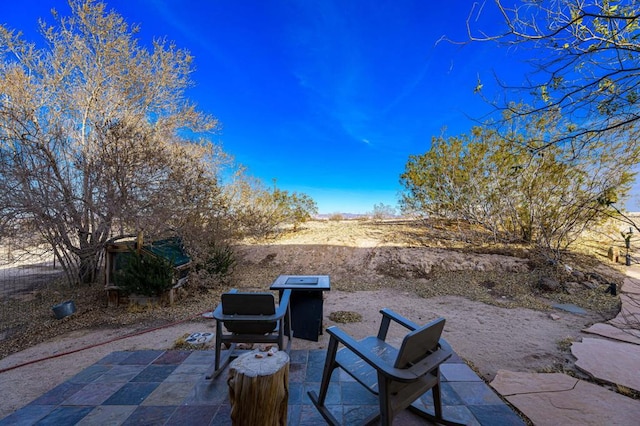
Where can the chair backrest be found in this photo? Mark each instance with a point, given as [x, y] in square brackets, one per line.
[419, 343]
[249, 304]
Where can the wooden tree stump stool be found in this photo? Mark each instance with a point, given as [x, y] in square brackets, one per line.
[259, 389]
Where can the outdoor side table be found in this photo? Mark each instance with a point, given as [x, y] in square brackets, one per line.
[305, 303]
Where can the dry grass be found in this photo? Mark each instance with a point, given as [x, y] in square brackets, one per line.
[31, 321]
[344, 317]
[565, 344]
[631, 393]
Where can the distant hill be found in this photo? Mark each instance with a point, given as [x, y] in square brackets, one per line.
[327, 216]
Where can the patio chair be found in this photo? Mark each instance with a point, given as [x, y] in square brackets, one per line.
[249, 318]
[398, 376]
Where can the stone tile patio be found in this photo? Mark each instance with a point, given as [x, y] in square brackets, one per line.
[155, 387]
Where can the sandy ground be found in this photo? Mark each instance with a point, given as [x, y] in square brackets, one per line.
[488, 337]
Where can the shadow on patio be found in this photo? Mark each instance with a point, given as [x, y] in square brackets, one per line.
[158, 387]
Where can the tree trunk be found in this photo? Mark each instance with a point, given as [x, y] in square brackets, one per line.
[88, 266]
[259, 389]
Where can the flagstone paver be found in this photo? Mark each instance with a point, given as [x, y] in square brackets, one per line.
[612, 361]
[614, 357]
[628, 335]
[555, 398]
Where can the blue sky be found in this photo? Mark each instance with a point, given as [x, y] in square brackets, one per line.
[328, 97]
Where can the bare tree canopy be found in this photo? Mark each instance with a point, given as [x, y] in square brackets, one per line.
[586, 65]
[97, 136]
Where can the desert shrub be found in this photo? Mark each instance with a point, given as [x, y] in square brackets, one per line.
[145, 274]
[219, 261]
[261, 212]
[336, 217]
[382, 211]
[516, 188]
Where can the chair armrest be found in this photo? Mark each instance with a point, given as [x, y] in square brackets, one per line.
[397, 374]
[387, 316]
[399, 319]
[284, 303]
[432, 361]
[445, 345]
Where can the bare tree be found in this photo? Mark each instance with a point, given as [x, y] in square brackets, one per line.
[97, 136]
[586, 65]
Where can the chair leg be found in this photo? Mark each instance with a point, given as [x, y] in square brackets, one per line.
[329, 366]
[287, 324]
[437, 403]
[386, 412]
[218, 366]
[218, 345]
[222, 363]
[281, 334]
[437, 400]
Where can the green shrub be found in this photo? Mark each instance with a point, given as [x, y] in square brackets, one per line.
[219, 261]
[144, 274]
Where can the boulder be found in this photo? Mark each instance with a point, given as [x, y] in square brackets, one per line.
[548, 284]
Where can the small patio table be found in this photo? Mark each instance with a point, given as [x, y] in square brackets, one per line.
[306, 302]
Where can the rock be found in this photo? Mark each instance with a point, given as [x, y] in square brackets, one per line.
[569, 307]
[596, 278]
[554, 317]
[548, 284]
[592, 285]
[579, 276]
[572, 287]
[612, 289]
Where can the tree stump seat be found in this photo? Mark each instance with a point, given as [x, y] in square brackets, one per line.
[259, 388]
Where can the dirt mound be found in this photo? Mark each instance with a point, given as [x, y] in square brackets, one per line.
[430, 259]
